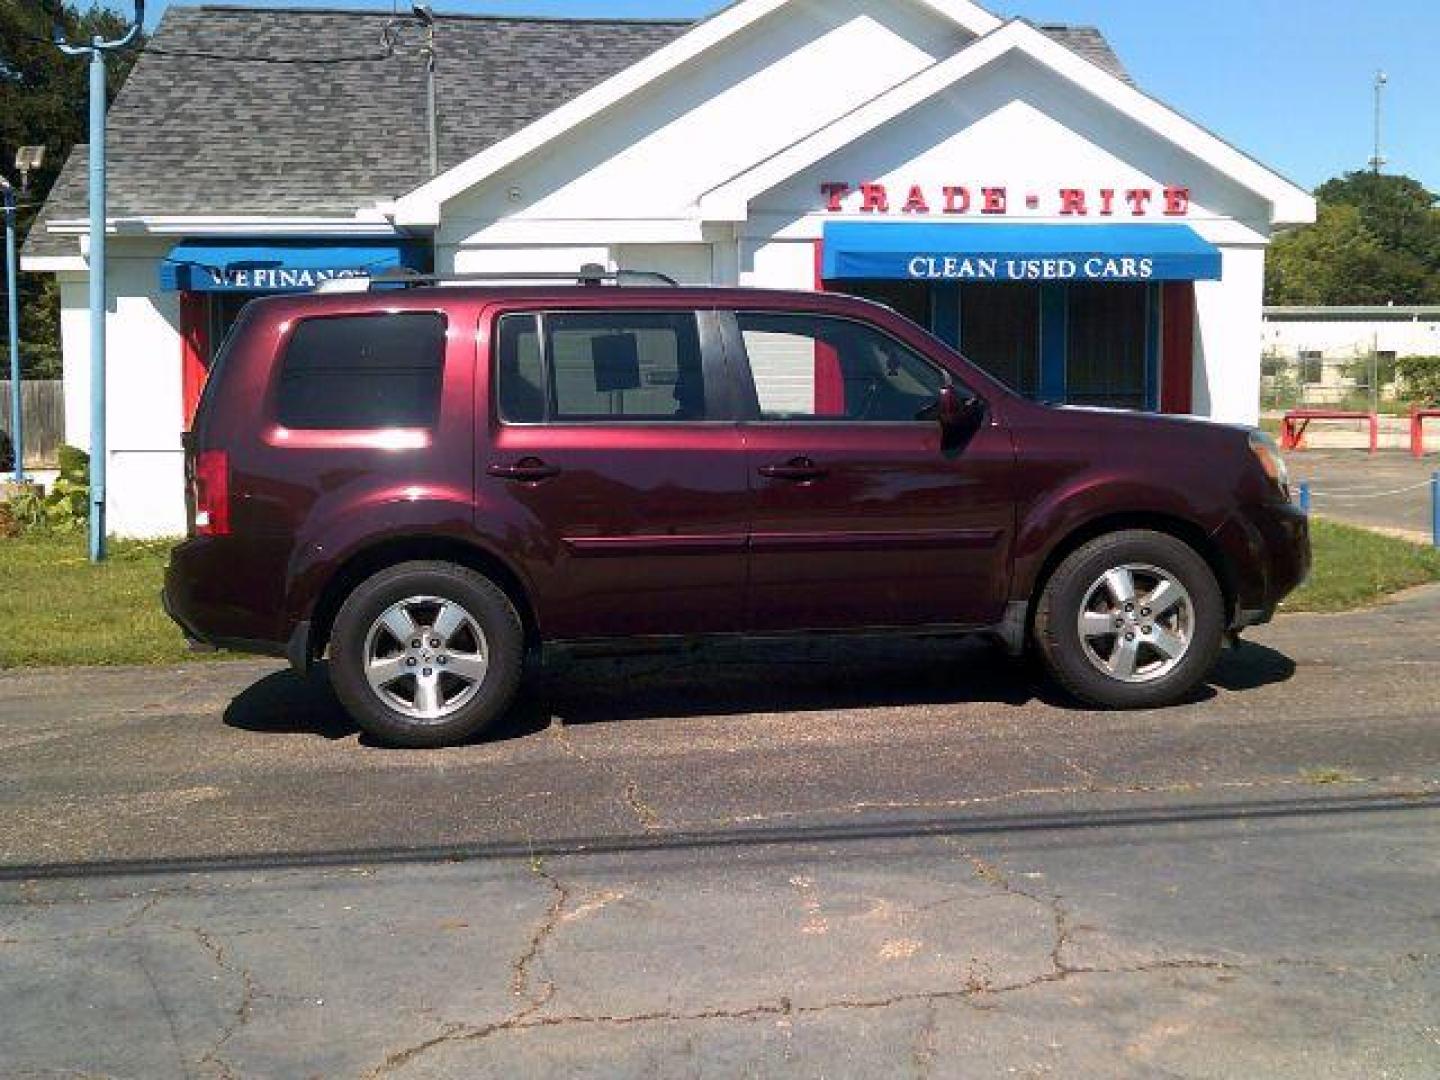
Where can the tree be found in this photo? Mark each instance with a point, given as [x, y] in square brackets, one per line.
[44, 100]
[1398, 210]
[1339, 261]
[1377, 241]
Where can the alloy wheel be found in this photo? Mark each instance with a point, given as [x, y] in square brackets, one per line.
[1137, 623]
[426, 657]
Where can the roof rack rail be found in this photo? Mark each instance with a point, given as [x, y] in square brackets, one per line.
[591, 274]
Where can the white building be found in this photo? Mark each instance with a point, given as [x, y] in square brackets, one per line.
[1004, 183]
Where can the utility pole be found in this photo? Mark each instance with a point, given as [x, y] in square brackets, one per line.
[1378, 162]
[95, 52]
[27, 159]
[12, 304]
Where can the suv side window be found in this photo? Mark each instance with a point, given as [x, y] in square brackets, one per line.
[815, 367]
[601, 366]
[363, 372]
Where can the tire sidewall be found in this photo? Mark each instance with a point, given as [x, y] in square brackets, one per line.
[479, 596]
[1058, 634]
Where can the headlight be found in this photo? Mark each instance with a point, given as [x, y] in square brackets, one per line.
[1267, 452]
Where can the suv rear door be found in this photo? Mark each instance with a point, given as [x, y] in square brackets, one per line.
[862, 517]
[616, 462]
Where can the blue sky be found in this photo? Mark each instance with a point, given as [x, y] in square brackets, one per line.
[1289, 81]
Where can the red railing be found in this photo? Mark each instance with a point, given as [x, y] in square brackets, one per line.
[1292, 431]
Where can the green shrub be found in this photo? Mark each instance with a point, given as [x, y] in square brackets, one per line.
[1419, 379]
[65, 508]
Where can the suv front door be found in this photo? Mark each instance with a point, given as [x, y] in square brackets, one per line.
[616, 456]
[862, 516]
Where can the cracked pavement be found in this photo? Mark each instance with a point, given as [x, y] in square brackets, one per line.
[851, 859]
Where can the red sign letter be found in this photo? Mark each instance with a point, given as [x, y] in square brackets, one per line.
[1177, 201]
[877, 199]
[995, 200]
[833, 194]
[1107, 202]
[957, 200]
[916, 203]
[1139, 198]
[1072, 202]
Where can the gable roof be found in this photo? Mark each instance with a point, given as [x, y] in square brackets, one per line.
[1290, 203]
[262, 112]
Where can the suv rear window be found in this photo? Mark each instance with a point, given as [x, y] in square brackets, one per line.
[363, 372]
[599, 366]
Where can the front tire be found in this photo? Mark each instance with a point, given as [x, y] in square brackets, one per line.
[426, 654]
[1131, 620]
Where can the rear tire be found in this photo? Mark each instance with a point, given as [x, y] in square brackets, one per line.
[426, 654]
[1131, 620]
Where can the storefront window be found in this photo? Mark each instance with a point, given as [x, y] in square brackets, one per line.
[1107, 330]
[1000, 332]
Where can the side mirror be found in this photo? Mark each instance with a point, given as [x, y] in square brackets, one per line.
[960, 415]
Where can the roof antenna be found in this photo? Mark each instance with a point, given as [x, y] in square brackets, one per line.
[424, 15]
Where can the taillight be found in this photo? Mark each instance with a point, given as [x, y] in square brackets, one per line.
[212, 493]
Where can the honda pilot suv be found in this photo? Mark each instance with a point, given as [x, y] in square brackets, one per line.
[423, 484]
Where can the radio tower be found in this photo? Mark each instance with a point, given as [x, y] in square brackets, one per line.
[1379, 161]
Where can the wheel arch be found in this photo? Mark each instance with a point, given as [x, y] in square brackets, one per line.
[370, 560]
[1187, 532]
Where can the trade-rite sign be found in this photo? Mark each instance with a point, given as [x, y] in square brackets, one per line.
[1171, 201]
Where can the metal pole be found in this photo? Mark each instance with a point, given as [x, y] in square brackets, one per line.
[1435, 508]
[1378, 161]
[99, 450]
[95, 51]
[432, 108]
[12, 285]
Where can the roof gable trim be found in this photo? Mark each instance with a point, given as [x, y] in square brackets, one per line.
[1290, 203]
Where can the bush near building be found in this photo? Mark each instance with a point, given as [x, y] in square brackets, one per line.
[1418, 378]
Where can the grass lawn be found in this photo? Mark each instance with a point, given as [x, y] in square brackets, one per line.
[1355, 567]
[57, 609]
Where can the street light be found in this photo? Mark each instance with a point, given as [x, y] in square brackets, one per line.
[95, 51]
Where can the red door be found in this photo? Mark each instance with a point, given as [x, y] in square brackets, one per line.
[617, 464]
[862, 517]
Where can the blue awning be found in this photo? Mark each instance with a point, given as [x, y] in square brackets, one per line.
[923, 251]
[269, 266]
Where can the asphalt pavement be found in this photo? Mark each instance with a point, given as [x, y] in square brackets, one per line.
[1389, 491]
[854, 859]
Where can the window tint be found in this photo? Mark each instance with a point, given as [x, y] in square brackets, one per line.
[601, 366]
[815, 368]
[358, 372]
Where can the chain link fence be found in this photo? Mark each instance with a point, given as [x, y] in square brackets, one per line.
[1364, 380]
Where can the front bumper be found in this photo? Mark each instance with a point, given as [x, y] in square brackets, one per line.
[1267, 553]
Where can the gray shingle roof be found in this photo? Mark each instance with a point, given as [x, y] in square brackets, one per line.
[1090, 43]
[195, 134]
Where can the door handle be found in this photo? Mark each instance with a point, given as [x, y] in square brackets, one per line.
[528, 471]
[799, 470]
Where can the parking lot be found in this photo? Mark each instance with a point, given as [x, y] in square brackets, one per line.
[855, 859]
[1388, 491]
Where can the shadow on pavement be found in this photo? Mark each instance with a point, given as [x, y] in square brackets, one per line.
[740, 678]
[830, 833]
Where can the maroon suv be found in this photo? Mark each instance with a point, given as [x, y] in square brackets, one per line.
[420, 484]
